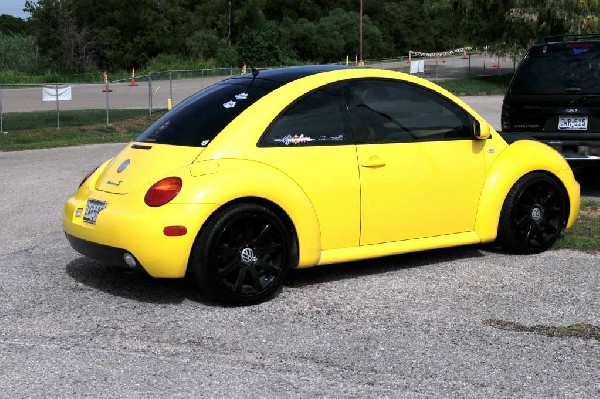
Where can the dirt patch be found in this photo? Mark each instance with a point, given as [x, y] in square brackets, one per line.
[585, 331]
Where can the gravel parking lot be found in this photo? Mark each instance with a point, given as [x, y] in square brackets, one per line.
[419, 325]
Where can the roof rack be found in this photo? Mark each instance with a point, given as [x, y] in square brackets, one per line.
[562, 38]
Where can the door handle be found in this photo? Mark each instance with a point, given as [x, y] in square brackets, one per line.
[373, 162]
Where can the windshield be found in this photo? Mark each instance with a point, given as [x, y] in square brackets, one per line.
[558, 69]
[200, 118]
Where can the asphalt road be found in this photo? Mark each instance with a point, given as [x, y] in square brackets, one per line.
[402, 327]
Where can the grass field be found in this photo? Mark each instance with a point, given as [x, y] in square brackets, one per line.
[585, 235]
[479, 86]
[39, 129]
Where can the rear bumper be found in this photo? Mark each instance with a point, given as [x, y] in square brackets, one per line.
[125, 228]
[102, 253]
[572, 146]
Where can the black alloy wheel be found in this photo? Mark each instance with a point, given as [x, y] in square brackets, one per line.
[533, 214]
[242, 255]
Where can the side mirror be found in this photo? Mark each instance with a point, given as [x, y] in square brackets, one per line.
[479, 132]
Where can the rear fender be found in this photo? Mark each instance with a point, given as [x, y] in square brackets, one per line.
[231, 180]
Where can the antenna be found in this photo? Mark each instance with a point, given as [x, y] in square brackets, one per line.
[254, 70]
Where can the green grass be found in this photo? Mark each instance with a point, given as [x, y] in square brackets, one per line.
[585, 234]
[479, 86]
[39, 129]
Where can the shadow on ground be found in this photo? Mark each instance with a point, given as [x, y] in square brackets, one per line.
[589, 179]
[132, 284]
[139, 286]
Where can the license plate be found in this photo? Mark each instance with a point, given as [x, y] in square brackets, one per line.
[572, 122]
[92, 209]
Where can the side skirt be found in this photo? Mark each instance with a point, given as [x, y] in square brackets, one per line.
[340, 255]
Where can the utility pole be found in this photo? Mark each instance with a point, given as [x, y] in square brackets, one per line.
[229, 24]
[360, 35]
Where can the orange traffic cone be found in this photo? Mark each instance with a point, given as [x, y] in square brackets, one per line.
[106, 89]
[132, 78]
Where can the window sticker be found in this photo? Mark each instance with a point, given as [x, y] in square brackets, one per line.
[295, 139]
[332, 138]
[229, 104]
[241, 96]
[204, 143]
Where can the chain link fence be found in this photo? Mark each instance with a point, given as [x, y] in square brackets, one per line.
[161, 90]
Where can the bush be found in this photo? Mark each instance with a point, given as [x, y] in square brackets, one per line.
[19, 53]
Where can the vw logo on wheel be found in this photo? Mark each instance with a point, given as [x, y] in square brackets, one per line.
[537, 214]
[248, 256]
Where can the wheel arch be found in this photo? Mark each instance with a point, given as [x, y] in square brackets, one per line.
[273, 207]
[516, 161]
[246, 181]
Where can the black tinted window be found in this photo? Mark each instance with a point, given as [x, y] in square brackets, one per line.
[197, 120]
[391, 111]
[315, 119]
[558, 69]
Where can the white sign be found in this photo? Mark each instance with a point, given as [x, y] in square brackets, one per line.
[51, 93]
[417, 66]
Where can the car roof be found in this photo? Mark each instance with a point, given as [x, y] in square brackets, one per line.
[282, 76]
[587, 37]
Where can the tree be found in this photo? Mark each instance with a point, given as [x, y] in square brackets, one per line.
[14, 25]
[514, 24]
[62, 41]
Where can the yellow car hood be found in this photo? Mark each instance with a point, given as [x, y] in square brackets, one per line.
[143, 164]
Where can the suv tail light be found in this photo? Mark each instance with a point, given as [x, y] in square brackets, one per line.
[505, 117]
[163, 191]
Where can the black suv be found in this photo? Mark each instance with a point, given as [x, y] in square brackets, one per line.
[554, 96]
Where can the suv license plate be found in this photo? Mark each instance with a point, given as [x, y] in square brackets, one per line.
[572, 122]
[92, 209]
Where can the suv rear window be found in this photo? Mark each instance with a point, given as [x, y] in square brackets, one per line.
[559, 68]
[201, 117]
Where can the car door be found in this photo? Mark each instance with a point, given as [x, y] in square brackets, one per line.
[421, 170]
[310, 142]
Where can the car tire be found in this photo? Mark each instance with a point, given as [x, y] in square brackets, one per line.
[242, 255]
[533, 215]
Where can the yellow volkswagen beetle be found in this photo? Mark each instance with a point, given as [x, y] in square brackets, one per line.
[305, 166]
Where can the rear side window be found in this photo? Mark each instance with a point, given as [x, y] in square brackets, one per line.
[558, 69]
[317, 118]
[196, 121]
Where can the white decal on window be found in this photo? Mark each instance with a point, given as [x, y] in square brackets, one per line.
[241, 96]
[229, 104]
[204, 143]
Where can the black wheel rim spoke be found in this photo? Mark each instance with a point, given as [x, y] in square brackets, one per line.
[255, 279]
[229, 267]
[239, 282]
[261, 235]
[538, 232]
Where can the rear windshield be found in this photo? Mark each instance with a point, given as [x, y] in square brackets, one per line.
[558, 69]
[200, 118]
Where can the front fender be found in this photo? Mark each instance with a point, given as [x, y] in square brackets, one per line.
[515, 161]
[231, 179]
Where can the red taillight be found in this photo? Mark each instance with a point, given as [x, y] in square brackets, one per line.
[88, 176]
[163, 191]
